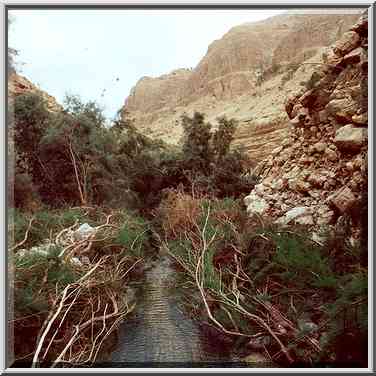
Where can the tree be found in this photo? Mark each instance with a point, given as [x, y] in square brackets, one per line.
[28, 126]
[197, 150]
[122, 122]
[223, 137]
[208, 163]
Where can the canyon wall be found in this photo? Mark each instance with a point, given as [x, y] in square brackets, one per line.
[247, 75]
[18, 85]
[319, 172]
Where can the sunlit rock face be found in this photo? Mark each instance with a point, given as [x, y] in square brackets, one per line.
[247, 75]
[18, 85]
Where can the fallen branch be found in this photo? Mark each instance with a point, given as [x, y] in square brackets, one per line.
[49, 325]
[25, 237]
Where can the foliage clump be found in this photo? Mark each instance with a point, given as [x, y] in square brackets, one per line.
[69, 292]
[261, 283]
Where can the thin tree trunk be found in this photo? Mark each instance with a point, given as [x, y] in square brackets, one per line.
[83, 200]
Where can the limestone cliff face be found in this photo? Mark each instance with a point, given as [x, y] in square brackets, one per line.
[309, 33]
[228, 69]
[319, 172]
[18, 85]
[151, 94]
[246, 74]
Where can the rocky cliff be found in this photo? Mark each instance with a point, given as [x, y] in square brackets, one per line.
[318, 173]
[246, 74]
[18, 85]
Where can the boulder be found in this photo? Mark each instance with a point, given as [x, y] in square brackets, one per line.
[268, 181]
[320, 147]
[294, 172]
[295, 122]
[353, 57]
[350, 138]
[325, 215]
[255, 204]
[306, 220]
[309, 98]
[331, 154]
[358, 162]
[349, 166]
[331, 60]
[300, 214]
[290, 104]
[361, 119]
[260, 189]
[342, 109]
[343, 199]
[349, 41]
[298, 185]
[323, 116]
[279, 184]
[316, 180]
[353, 185]
[361, 27]
[299, 110]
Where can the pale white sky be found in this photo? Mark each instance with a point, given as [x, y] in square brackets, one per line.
[85, 51]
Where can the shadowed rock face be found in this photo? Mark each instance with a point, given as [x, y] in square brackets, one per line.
[226, 80]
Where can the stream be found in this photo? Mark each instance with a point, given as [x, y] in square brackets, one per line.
[160, 334]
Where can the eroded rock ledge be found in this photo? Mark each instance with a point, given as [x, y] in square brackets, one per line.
[318, 174]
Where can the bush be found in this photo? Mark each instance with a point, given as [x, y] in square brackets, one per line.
[25, 192]
[134, 236]
[41, 274]
[178, 213]
[272, 272]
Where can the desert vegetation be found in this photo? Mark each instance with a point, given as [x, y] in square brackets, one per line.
[281, 271]
[81, 217]
[268, 288]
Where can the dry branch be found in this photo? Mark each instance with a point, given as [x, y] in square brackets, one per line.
[25, 237]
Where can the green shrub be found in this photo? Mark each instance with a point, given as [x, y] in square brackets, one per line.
[303, 263]
[197, 150]
[134, 237]
[36, 275]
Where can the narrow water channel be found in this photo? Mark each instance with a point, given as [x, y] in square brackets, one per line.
[160, 334]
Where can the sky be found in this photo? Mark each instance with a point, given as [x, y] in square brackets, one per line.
[83, 52]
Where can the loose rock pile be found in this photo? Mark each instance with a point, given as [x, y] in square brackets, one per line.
[319, 172]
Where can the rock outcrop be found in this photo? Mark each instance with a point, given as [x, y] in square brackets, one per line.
[18, 85]
[319, 172]
[246, 74]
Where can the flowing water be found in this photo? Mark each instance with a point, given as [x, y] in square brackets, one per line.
[160, 334]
